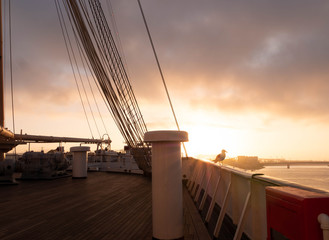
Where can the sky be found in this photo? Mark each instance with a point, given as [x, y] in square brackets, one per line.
[250, 77]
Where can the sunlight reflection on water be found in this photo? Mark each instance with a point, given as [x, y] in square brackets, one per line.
[312, 176]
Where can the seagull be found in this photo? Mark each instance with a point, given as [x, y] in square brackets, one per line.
[220, 157]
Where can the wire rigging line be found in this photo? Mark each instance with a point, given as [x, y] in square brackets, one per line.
[105, 62]
[160, 70]
[98, 87]
[85, 61]
[83, 86]
[98, 48]
[112, 16]
[84, 89]
[92, 92]
[119, 73]
[11, 71]
[5, 26]
[68, 42]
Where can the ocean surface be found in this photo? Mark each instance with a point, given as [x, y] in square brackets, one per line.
[312, 176]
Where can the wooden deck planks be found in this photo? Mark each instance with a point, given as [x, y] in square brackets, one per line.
[103, 206]
[194, 226]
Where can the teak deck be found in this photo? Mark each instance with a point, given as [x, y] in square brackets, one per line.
[103, 206]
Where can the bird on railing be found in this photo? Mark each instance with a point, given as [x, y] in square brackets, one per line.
[220, 157]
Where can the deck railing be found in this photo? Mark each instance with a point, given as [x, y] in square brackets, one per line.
[239, 195]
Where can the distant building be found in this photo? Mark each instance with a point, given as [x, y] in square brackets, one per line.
[245, 162]
[248, 159]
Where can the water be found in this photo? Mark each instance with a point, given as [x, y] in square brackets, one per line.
[312, 176]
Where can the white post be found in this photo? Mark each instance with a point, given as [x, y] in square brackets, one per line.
[167, 195]
[80, 160]
[324, 221]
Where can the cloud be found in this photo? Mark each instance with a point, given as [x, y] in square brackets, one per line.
[240, 56]
[232, 57]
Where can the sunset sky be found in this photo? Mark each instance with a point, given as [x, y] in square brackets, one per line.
[251, 77]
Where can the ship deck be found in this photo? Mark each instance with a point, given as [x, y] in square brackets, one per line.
[103, 206]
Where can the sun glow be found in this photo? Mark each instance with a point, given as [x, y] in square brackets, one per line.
[207, 141]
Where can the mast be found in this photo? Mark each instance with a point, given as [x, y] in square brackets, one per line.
[2, 115]
[7, 141]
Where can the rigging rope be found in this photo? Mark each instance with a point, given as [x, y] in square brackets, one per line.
[11, 72]
[111, 13]
[89, 24]
[95, 81]
[11, 75]
[99, 112]
[84, 60]
[68, 42]
[120, 78]
[160, 70]
[83, 86]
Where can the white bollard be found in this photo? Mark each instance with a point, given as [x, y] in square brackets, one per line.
[80, 160]
[324, 221]
[167, 195]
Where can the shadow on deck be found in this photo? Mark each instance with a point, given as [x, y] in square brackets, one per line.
[103, 206]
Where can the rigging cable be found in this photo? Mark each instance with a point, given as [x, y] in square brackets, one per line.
[116, 105]
[160, 70]
[84, 61]
[4, 27]
[115, 27]
[11, 76]
[69, 9]
[111, 14]
[63, 26]
[102, 56]
[106, 63]
[97, 85]
[92, 92]
[83, 86]
[11, 72]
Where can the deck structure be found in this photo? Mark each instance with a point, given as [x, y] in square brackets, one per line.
[102, 206]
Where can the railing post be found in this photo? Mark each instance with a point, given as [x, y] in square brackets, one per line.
[189, 181]
[197, 195]
[258, 208]
[239, 229]
[206, 190]
[222, 211]
[167, 195]
[193, 177]
[213, 201]
[324, 221]
[194, 189]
